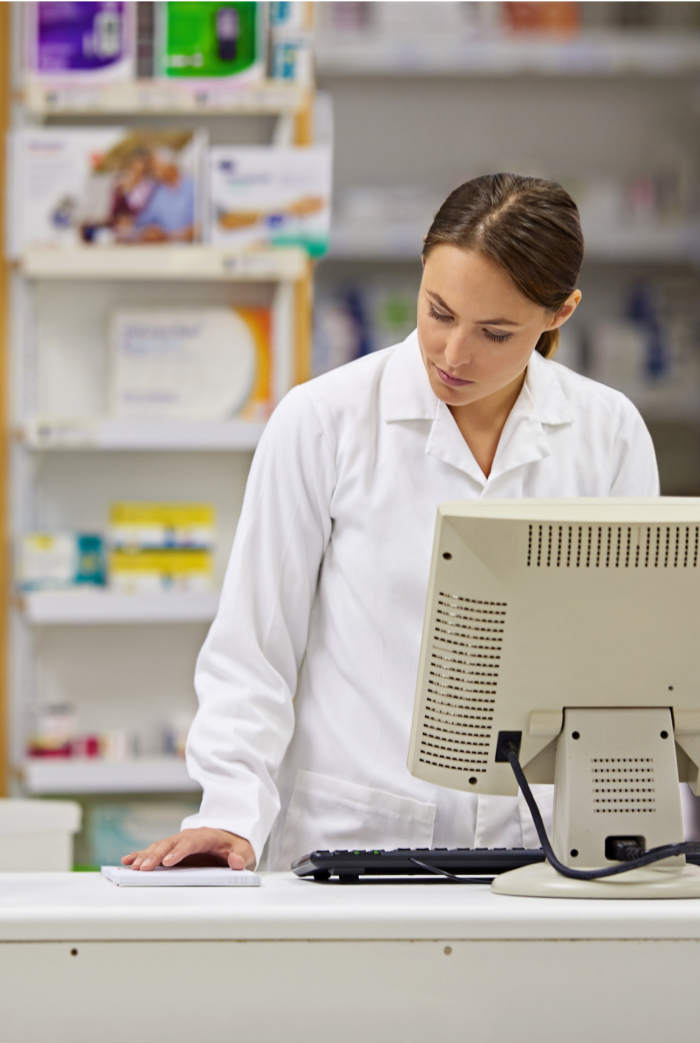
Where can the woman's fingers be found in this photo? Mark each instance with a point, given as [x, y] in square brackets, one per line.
[182, 849]
[151, 856]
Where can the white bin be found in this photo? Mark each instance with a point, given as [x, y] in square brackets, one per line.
[37, 835]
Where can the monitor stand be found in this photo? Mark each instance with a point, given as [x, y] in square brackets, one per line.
[616, 776]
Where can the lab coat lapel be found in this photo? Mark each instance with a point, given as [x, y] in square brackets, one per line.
[523, 439]
[407, 395]
[446, 442]
[540, 405]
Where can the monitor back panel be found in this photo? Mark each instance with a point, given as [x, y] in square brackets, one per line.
[545, 606]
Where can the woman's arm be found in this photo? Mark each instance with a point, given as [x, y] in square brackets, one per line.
[246, 672]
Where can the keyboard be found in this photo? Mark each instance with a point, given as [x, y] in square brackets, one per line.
[349, 866]
[478, 863]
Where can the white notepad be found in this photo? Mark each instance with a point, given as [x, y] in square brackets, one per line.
[210, 876]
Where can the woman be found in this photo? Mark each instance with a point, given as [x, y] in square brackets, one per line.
[325, 591]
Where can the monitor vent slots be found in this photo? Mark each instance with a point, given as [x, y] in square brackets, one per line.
[613, 546]
[463, 676]
[623, 784]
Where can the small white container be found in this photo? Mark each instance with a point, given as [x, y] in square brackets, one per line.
[37, 835]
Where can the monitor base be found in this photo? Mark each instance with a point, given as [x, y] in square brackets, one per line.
[541, 881]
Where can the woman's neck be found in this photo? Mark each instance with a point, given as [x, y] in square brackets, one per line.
[481, 423]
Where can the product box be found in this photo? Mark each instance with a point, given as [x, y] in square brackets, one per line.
[100, 185]
[59, 561]
[557, 17]
[265, 195]
[161, 526]
[212, 41]
[80, 42]
[161, 571]
[206, 364]
[289, 16]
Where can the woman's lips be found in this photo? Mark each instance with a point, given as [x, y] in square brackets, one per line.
[453, 382]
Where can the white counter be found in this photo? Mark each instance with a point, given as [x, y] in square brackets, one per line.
[56, 906]
[82, 961]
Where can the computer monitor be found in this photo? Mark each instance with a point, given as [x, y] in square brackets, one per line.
[570, 628]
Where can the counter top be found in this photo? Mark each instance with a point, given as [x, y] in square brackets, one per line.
[85, 906]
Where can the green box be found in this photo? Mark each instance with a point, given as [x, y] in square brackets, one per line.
[211, 41]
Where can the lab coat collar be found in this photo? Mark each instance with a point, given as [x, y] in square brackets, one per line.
[406, 390]
[407, 395]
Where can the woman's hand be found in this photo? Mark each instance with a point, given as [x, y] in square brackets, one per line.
[199, 846]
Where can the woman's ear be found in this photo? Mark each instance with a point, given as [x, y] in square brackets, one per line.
[566, 311]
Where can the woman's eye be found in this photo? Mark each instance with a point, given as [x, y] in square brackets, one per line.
[499, 338]
[438, 315]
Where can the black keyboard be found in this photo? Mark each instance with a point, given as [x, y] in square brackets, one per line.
[404, 861]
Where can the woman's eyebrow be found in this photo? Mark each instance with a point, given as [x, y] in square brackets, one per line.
[438, 299]
[497, 322]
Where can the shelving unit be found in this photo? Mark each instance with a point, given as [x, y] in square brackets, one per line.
[591, 54]
[138, 435]
[156, 98]
[97, 607]
[70, 458]
[402, 242]
[191, 263]
[43, 777]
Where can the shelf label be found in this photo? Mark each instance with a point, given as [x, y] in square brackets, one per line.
[63, 432]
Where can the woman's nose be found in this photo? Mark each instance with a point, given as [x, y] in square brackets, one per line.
[457, 351]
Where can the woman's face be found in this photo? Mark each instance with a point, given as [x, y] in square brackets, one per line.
[476, 330]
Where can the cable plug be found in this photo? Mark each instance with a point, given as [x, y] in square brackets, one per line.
[624, 849]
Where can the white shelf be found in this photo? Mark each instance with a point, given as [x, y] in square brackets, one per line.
[139, 435]
[164, 97]
[403, 242]
[76, 775]
[90, 607]
[195, 262]
[588, 54]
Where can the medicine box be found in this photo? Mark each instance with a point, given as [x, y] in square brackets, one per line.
[194, 364]
[220, 42]
[59, 561]
[80, 42]
[143, 525]
[263, 195]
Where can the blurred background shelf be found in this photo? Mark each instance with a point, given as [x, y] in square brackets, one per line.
[45, 776]
[164, 98]
[86, 608]
[139, 435]
[193, 262]
[588, 54]
[403, 242]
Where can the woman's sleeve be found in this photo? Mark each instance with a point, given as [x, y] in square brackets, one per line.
[247, 669]
[635, 472]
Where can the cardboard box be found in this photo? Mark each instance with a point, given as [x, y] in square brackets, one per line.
[205, 364]
[105, 186]
[269, 196]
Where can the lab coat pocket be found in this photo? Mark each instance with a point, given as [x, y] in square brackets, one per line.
[331, 814]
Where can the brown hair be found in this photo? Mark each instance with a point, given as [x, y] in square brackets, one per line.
[527, 225]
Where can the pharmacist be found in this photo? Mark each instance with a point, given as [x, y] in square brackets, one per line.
[306, 681]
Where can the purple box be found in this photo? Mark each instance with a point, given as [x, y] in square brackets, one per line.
[80, 39]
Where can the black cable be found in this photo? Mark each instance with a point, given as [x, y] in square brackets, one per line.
[453, 876]
[655, 854]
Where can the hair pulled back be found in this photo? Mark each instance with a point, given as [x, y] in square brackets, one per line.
[528, 226]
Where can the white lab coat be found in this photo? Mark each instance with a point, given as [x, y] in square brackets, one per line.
[307, 678]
